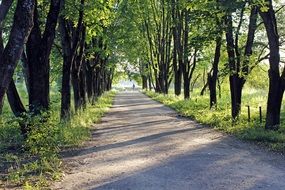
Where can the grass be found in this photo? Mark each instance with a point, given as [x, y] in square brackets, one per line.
[34, 161]
[197, 108]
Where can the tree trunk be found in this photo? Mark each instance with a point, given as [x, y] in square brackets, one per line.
[76, 90]
[69, 46]
[66, 88]
[186, 89]
[213, 77]
[22, 25]
[38, 52]
[5, 6]
[14, 100]
[176, 65]
[89, 80]
[76, 70]
[236, 64]
[16, 105]
[150, 82]
[144, 82]
[186, 62]
[276, 82]
[82, 79]
[232, 65]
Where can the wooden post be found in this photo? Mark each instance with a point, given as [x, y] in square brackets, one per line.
[248, 113]
[260, 115]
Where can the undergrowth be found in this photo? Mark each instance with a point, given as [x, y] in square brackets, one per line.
[197, 108]
[35, 161]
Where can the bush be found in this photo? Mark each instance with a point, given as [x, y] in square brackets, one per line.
[39, 159]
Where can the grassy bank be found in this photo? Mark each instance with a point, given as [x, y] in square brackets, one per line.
[197, 108]
[35, 161]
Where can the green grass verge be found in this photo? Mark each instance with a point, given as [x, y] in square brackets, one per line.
[197, 108]
[35, 161]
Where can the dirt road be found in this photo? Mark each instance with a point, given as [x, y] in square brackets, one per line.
[143, 145]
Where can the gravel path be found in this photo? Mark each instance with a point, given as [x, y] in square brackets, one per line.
[143, 145]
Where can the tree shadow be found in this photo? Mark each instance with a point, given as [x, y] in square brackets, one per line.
[143, 139]
[170, 153]
[214, 166]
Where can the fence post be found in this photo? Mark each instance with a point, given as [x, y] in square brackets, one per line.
[260, 115]
[248, 113]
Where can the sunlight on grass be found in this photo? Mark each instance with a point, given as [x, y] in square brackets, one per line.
[40, 162]
[198, 109]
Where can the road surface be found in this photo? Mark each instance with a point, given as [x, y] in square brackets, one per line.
[143, 145]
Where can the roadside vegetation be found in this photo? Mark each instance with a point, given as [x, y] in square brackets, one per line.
[56, 71]
[36, 160]
[60, 58]
[214, 61]
[197, 108]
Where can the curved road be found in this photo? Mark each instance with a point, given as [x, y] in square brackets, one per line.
[143, 145]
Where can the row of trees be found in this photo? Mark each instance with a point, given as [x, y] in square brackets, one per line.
[175, 34]
[72, 33]
[166, 39]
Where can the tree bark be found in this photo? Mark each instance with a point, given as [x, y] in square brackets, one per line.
[144, 82]
[276, 82]
[22, 25]
[76, 71]
[89, 80]
[4, 8]
[17, 106]
[38, 52]
[232, 65]
[213, 77]
[82, 79]
[69, 45]
[236, 65]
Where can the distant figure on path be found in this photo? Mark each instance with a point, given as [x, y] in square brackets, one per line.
[134, 87]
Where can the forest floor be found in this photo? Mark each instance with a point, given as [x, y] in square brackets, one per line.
[144, 145]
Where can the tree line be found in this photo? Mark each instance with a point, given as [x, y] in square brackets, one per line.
[80, 42]
[71, 32]
[175, 35]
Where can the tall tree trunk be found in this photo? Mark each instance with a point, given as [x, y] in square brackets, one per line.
[144, 82]
[213, 77]
[89, 80]
[186, 62]
[150, 82]
[38, 52]
[69, 46]
[4, 9]
[236, 65]
[76, 70]
[83, 88]
[276, 82]
[22, 25]
[76, 91]
[176, 66]
[232, 65]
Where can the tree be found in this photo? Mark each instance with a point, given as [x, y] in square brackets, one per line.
[177, 60]
[69, 42]
[276, 79]
[10, 55]
[238, 68]
[38, 52]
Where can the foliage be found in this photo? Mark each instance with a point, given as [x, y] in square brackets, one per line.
[41, 160]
